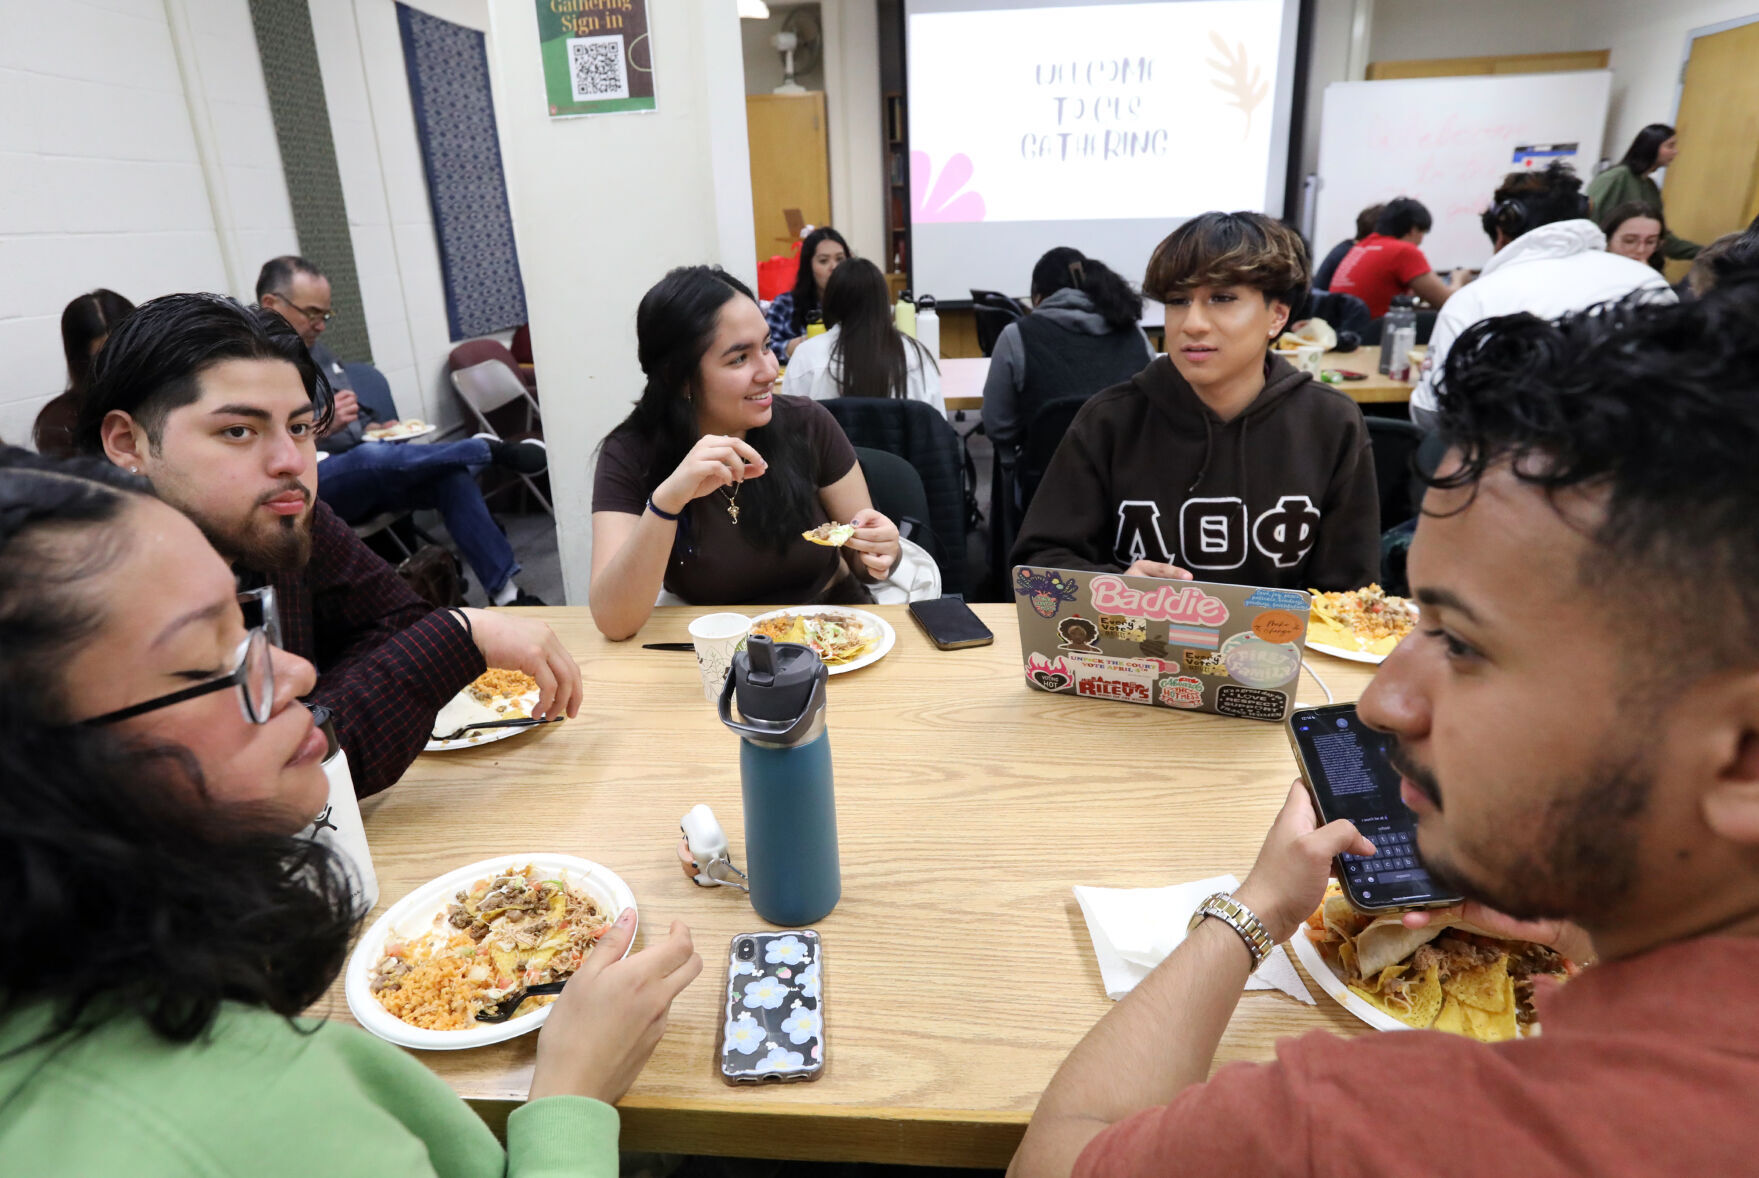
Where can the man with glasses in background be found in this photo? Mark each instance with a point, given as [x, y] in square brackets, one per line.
[219, 406]
[363, 479]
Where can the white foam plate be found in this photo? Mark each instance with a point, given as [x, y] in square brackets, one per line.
[888, 636]
[416, 913]
[400, 437]
[489, 736]
[1354, 656]
[1314, 962]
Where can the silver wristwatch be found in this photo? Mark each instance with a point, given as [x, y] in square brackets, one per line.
[1239, 918]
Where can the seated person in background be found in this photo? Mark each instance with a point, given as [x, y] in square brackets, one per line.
[1550, 259]
[862, 353]
[1634, 230]
[1387, 262]
[1219, 459]
[1595, 511]
[166, 842]
[820, 254]
[1632, 179]
[219, 406]
[85, 325]
[1364, 226]
[706, 487]
[363, 479]
[1084, 335]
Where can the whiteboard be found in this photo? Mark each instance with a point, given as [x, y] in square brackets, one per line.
[1449, 142]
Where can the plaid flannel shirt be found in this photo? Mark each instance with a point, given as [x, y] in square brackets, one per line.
[387, 661]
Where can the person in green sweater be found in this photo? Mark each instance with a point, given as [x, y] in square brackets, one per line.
[165, 926]
[1629, 180]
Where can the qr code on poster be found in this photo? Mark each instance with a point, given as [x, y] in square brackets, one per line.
[597, 69]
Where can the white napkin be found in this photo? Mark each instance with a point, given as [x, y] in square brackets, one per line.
[1134, 929]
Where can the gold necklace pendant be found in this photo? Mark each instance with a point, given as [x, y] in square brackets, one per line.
[732, 505]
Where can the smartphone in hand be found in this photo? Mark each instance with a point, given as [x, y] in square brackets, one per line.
[1343, 763]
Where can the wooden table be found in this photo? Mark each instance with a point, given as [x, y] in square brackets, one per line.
[958, 970]
[962, 380]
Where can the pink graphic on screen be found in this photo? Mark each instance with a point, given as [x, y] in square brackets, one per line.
[943, 201]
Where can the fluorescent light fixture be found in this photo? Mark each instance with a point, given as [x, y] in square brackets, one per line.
[753, 10]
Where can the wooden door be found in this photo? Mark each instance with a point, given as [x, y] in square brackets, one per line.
[1713, 187]
[790, 165]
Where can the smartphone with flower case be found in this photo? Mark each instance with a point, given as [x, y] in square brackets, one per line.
[773, 1027]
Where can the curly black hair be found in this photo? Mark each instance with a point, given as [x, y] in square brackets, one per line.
[1656, 407]
[129, 892]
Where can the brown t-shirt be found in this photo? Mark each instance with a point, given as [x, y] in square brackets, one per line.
[1646, 1066]
[714, 562]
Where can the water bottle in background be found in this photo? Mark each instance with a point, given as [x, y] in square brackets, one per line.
[1398, 335]
[785, 776]
[928, 326]
[904, 314]
[815, 324]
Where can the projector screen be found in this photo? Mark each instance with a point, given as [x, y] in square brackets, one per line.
[1099, 126]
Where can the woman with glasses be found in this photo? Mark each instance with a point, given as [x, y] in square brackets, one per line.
[164, 923]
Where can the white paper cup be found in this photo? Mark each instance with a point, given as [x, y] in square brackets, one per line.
[716, 637]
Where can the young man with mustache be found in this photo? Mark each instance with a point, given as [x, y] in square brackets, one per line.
[219, 406]
[1577, 726]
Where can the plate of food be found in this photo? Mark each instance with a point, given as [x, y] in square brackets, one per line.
[846, 639]
[1362, 625]
[1449, 976]
[461, 942]
[496, 694]
[398, 431]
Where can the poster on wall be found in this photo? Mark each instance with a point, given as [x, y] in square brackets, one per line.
[598, 56]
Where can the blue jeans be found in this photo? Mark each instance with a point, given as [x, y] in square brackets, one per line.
[375, 477]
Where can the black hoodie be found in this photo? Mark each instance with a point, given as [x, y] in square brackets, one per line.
[1283, 495]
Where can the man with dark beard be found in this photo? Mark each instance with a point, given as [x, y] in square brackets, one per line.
[1576, 725]
[219, 406]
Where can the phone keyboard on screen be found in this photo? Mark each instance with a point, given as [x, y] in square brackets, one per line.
[1394, 859]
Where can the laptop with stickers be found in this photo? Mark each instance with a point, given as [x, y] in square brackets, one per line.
[1234, 650]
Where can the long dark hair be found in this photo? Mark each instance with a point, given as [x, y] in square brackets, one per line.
[1631, 209]
[154, 359]
[870, 348]
[674, 327]
[1067, 268]
[179, 905]
[1646, 147]
[805, 286]
[88, 318]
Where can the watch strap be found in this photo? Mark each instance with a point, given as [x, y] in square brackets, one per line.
[1241, 919]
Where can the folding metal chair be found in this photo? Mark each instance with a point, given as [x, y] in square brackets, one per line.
[489, 386]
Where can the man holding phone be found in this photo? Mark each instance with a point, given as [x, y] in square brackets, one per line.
[1576, 726]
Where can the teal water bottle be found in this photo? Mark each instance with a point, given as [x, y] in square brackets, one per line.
[785, 774]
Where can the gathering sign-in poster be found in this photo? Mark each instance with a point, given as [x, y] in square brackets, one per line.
[598, 56]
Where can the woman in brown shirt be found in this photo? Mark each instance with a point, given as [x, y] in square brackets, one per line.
[707, 486]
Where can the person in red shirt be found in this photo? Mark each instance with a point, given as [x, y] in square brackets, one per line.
[1388, 261]
[1576, 725]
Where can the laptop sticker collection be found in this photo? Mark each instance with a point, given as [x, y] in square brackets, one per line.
[1192, 645]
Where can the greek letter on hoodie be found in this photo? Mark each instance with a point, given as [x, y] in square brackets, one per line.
[1283, 495]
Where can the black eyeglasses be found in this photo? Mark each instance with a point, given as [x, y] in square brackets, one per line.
[253, 676]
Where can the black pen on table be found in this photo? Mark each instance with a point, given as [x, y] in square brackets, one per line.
[691, 646]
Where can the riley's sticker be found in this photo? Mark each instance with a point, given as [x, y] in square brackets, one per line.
[1045, 591]
[1049, 674]
[1181, 691]
[1102, 677]
[1250, 703]
[1256, 663]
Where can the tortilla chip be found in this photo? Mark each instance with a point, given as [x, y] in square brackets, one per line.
[830, 535]
[1487, 988]
[1452, 1018]
[1424, 1001]
[1494, 1026]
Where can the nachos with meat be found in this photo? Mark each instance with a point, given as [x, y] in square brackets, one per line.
[835, 637]
[830, 535]
[1369, 620]
[1448, 976]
